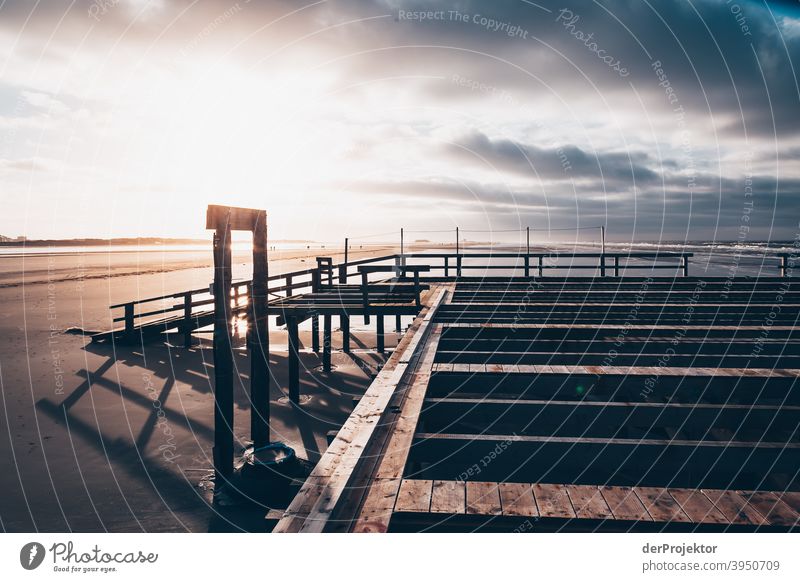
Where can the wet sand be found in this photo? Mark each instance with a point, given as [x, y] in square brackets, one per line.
[104, 437]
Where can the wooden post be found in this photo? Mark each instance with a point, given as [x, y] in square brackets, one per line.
[398, 323]
[343, 267]
[417, 301]
[365, 295]
[402, 248]
[458, 256]
[326, 342]
[128, 320]
[344, 323]
[258, 332]
[289, 285]
[527, 266]
[527, 251]
[782, 266]
[685, 266]
[315, 333]
[446, 266]
[380, 334]
[602, 265]
[223, 357]
[541, 265]
[187, 319]
[294, 360]
[616, 266]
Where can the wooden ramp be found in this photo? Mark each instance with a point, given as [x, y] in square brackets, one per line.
[576, 404]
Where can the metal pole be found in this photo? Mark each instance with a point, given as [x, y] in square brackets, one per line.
[603, 239]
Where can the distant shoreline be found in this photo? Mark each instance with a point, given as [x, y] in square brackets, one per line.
[96, 242]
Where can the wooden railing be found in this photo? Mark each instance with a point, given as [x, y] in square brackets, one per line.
[184, 309]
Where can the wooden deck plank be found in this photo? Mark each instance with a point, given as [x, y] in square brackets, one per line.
[588, 502]
[379, 506]
[517, 500]
[660, 504]
[414, 495]
[734, 507]
[448, 497]
[553, 500]
[771, 507]
[624, 503]
[483, 498]
[697, 506]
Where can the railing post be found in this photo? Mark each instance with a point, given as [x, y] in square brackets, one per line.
[685, 266]
[527, 266]
[416, 290]
[289, 285]
[365, 295]
[458, 265]
[187, 319]
[783, 265]
[446, 266]
[602, 264]
[128, 319]
[616, 265]
[541, 265]
[343, 274]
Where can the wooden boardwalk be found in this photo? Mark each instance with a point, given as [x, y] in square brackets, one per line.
[575, 404]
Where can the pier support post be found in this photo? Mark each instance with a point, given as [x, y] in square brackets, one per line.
[315, 333]
[223, 220]
[616, 266]
[398, 323]
[446, 266]
[685, 266]
[187, 320]
[128, 321]
[381, 343]
[223, 357]
[294, 360]
[344, 323]
[541, 265]
[602, 265]
[326, 342]
[258, 336]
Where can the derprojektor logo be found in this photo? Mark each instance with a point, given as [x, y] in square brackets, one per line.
[31, 555]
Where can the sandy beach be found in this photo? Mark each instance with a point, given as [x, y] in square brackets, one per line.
[118, 438]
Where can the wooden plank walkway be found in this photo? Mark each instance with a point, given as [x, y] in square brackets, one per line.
[597, 502]
[582, 403]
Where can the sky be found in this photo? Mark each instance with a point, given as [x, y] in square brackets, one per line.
[661, 120]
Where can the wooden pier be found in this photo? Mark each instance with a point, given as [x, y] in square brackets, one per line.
[636, 397]
[575, 404]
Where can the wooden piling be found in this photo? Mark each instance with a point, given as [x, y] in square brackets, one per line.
[344, 323]
[294, 360]
[258, 336]
[380, 334]
[223, 357]
[187, 320]
[315, 333]
[326, 342]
